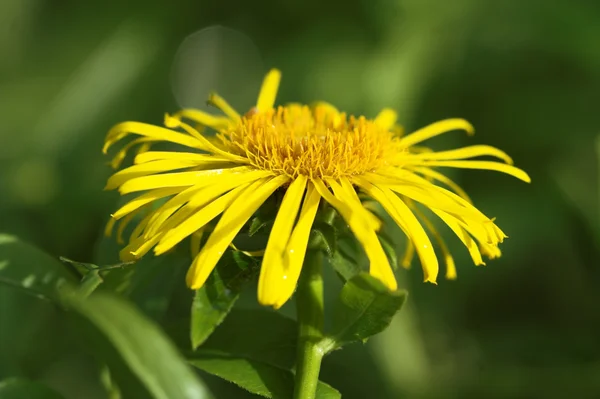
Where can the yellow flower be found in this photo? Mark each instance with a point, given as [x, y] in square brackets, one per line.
[312, 153]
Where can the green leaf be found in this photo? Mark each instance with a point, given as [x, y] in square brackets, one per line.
[261, 335]
[143, 346]
[348, 257]
[216, 298]
[24, 266]
[365, 307]
[150, 282]
[256, 377]
[265, 216]
[323, 236]
[17, 388]
[256, 350]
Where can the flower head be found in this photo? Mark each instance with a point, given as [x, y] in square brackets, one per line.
[313, 154]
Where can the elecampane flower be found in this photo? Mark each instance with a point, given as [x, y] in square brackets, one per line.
[312, 153]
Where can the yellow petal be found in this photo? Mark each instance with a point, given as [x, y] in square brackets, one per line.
[229, 225]
[136, 233]
[407, 221]
[120, 156]
[268, 91]
[448, 259]
[145, 169]
[224, 106]
[154, 132]
[462, 234]
[293, 257]
[461, 153]
[428, 194]
[409, 254]
[125, 222]
[436, 129]
[144, 199]
[485, 165]
[137, 248]
[272, 272]
[218, 123]
[196, 197]
[178, 156]
[110, 225]
[365, 234]
[373, 220]
[443, 179]
[198, 220]
[195, 241]
[207, 145]
[329, 112]
[386, 118]
[180, 179]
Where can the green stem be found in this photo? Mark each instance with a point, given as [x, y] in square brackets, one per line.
[310, 313]
[89, 283]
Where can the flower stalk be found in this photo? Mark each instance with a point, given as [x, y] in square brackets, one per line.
[310, 312]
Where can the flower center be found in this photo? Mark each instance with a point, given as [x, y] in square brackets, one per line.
[315, 142]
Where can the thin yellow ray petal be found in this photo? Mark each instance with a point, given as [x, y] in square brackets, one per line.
[195, 241]
[180, 179]
[196, 197]
[408, 222]
[443, 179]
[196, 221]
[249, 253]
[272, 273]
[462, 235]
[144, 199]
[154, 132]
[428, 194]
[448, 259]
[120, 156]
[138, 248]
[151, 156]
[365, 234]
[268, 91]
[110, 225]
[234, 218]
[293, 257]
[145, 169]
[409, 254]
[218, 123]
[125, 222]
[461, 153]
[332, 114]
[137, 231]
[145, 147]
[224, 106]
[485, 165]
[435, 129]
[373, 220]
[386, 118]
[477, 230]
[207, 144]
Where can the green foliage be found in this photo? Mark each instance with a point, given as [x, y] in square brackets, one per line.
[22, 389]
[141, 343]
[365, 308]
[70, 72]
[28, 269]
[260, 362]
[324, 236]
[216, 298]
[349, 257]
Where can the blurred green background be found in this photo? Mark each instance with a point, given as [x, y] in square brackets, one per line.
[525, 73]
